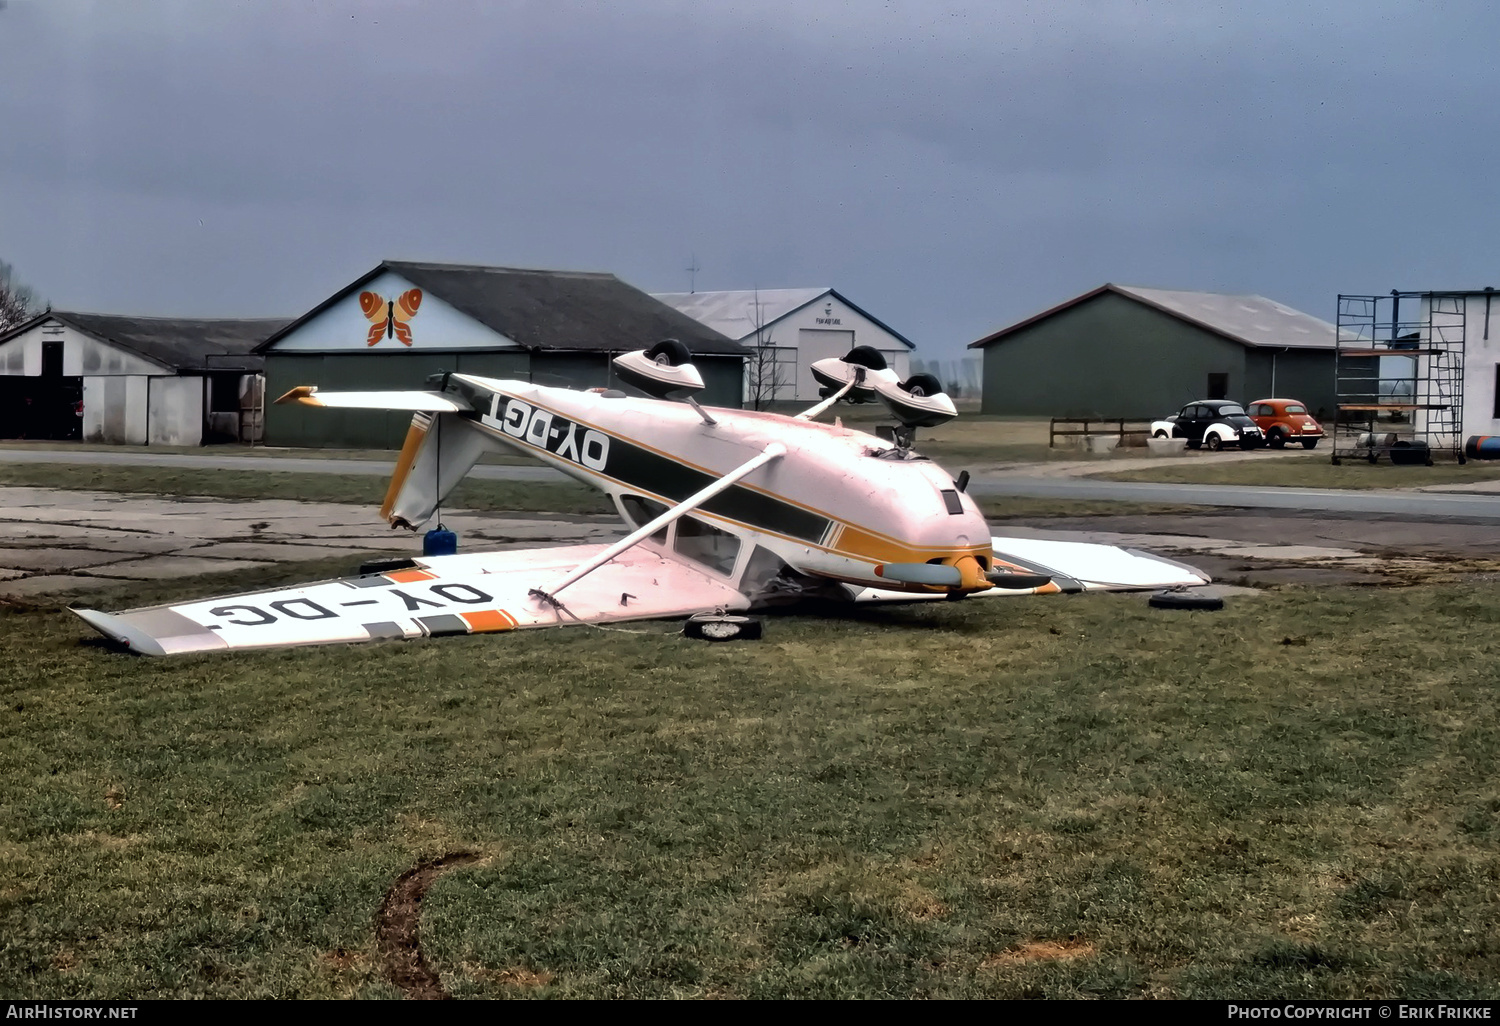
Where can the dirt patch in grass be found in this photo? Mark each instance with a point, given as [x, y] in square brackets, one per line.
[1041, 951]
[398, 928]
[517, 976]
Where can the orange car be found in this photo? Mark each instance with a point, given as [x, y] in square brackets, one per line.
[1286, 420]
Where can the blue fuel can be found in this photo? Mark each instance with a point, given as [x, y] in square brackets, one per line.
[439, 542]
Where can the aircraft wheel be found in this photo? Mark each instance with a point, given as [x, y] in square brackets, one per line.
[1173, 599]
[721, 627]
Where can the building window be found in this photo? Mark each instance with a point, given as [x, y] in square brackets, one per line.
[1496, 413]
[1218, 386]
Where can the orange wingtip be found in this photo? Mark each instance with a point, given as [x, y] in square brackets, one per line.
[489, 620]
[411, 576]
[301, 394]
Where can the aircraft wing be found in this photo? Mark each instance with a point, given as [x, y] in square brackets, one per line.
[1072, 567]
[463, 594]
[429, 402]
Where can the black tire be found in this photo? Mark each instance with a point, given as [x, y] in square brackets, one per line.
[922, 385]
[1309, 443]
[1160, 434]
[1276, 439]
[721, 627]
[1185, 600]
[866, 356]
[1213, 442]
[1194, 445]
[670, 352]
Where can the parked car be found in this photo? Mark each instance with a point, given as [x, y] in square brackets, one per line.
[1286, 420]
[1213, 423]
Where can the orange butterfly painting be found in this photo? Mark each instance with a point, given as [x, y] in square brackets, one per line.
[388, 317]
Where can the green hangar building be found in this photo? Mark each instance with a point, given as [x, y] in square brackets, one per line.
[1121, 351]
[403, 321]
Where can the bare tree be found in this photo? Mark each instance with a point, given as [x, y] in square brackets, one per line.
[766, 375]
[17, 301]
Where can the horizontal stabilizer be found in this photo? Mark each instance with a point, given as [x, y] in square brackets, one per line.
[430, 402]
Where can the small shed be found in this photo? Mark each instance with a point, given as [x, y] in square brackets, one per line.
[1125, 351]
[787, 331]
[132, 380]
[402, 321]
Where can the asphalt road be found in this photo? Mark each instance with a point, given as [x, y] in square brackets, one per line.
[1472, 506]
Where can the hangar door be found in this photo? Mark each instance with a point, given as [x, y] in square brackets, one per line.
[42, 407]
[814, 344]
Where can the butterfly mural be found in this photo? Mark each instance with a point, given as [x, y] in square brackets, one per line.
[388, 317]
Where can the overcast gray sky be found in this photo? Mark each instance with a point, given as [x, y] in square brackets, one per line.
[950, 166]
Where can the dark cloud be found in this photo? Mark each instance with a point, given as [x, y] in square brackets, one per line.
[954, 167]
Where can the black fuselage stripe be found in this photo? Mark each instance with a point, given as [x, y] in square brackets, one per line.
[637, 467]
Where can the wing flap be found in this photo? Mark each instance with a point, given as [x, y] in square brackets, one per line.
[464, 594]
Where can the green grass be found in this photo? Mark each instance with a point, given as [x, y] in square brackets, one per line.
[1293, 798]
[359, 489]
[563, 497]
[246, 451]
[1309, 471]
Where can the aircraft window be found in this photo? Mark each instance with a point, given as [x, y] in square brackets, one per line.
[641, 511]
[704, 543]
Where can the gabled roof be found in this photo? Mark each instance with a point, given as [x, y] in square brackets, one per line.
[1247, 319]
[542, 310]
[176, 343]
[733, 313]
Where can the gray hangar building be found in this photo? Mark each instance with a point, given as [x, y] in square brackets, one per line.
[132, 380]
[404, 321]
[1122, 351]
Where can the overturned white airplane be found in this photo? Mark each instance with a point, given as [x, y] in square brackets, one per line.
[729, 510]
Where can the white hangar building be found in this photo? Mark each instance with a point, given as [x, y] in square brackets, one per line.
[788, 330]
[132, 380]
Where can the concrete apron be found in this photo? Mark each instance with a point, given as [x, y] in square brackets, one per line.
[54, 541]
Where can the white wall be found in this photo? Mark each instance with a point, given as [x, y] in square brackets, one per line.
[82, 354]
[823, 327]
[343, 327]
[176, 411]
[1481, 358]
[115, 408]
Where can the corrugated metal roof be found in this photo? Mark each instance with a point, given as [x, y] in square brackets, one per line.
[180, 343]
[733, 313]
[1248, 319]
[541, 310]
[1254, 320]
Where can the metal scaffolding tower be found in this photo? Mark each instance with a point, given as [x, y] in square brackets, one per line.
[1399, 377]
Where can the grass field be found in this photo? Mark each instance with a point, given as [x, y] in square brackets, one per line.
[969, 439]
[1295, 470]
[361, 489]
[562, 497]
[1067, 797]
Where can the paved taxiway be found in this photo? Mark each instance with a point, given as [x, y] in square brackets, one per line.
[1475, 502]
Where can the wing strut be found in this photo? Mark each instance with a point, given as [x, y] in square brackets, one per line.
[771, 452]
[813, 411]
